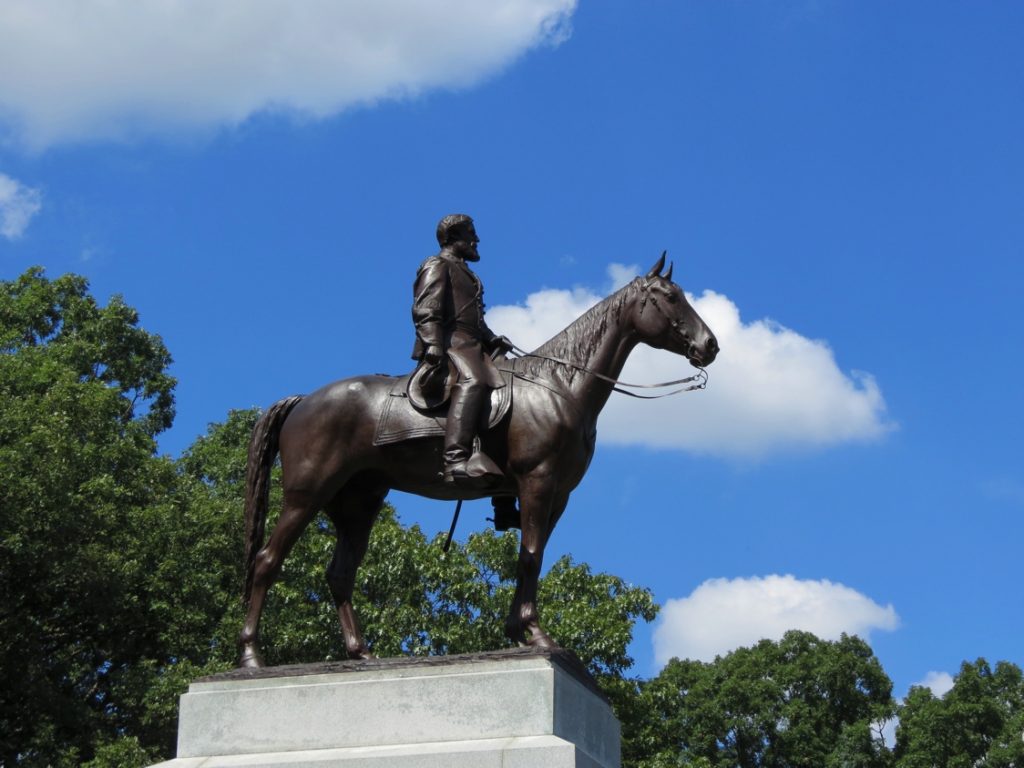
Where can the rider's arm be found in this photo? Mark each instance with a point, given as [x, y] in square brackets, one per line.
[428, 304]
[487, 336]
[491, 341]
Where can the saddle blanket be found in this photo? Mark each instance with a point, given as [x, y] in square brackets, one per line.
[399, 421]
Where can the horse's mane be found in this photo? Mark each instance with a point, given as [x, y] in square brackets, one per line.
[579, 340]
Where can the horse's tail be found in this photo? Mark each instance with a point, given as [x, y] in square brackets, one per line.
[263, 448]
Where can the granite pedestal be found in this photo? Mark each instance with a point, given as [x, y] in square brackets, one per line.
[509, 709]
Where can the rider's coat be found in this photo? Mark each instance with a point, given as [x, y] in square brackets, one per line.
[448, 312]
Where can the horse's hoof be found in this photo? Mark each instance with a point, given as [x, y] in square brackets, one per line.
[250, 658]
[538, 638]
[516, 635]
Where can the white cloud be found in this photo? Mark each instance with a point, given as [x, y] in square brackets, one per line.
[18, 204]
[113, 68]
[940, 683]
[620, 274]
[770, 389]
[724, 614]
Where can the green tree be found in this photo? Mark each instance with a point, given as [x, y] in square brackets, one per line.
[194, 535]
[979, 723]
[800, 701]
[83, 393]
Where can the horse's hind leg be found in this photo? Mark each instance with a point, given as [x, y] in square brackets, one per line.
[295, 516]
[353, 513]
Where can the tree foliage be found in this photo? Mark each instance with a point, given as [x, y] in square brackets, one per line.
[800, 701]
[979, 723]
[83, 392]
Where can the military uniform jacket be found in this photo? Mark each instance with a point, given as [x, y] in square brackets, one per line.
[448, 312]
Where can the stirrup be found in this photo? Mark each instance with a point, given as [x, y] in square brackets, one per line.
[478, 471]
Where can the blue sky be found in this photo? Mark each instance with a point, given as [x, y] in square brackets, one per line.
[840, 184]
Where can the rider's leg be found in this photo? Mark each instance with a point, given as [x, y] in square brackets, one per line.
[461, 466]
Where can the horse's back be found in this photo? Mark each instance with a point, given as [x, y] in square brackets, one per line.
[339, 418]
[365, 390]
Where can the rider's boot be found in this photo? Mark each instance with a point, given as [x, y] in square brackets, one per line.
[462, 467]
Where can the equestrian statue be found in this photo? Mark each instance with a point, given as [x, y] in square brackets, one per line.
[470, 422]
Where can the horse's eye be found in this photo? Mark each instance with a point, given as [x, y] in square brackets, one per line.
[672, 298]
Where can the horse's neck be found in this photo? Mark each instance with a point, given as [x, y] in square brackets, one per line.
[599, 341]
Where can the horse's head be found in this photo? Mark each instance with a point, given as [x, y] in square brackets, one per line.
[664, 319]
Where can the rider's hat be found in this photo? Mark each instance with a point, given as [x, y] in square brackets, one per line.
[430, 385]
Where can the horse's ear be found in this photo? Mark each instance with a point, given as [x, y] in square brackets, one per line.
[668, 275]
[658, 266]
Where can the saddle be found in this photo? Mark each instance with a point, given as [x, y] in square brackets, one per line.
[399, 420]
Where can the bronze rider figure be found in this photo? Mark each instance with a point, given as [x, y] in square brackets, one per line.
[448, 312]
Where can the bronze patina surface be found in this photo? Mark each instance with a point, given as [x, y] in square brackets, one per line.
[540, 450]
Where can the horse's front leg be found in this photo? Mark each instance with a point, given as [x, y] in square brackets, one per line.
[538, 505]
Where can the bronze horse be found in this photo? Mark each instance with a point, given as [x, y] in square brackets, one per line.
[329, 461]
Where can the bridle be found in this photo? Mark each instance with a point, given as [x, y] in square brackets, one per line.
[676, 325]
[698, 381]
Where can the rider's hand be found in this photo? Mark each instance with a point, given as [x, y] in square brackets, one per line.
[502, 344]
[433, 355]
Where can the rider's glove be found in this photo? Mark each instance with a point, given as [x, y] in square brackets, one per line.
[502, 344]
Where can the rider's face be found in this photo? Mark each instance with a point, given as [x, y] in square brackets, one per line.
[465, 244]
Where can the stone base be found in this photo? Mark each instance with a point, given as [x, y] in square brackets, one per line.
[508, 709]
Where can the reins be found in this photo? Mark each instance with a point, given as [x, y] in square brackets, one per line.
[701, 377]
